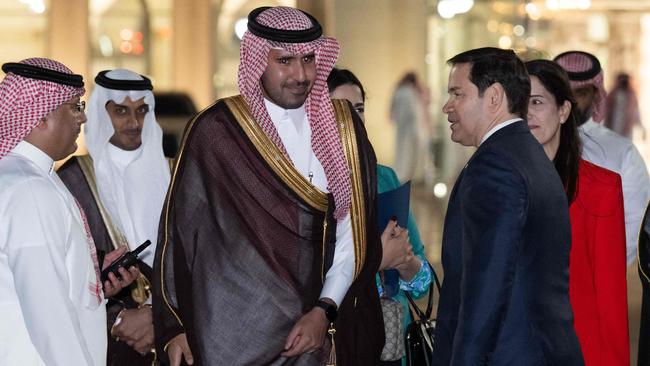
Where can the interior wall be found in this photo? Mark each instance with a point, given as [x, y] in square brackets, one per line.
[193, 50]
[69, 44]
[380, 41]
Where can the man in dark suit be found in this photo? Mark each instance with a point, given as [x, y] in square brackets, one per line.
[507, 236]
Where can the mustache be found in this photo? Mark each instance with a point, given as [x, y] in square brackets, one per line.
[299, 84]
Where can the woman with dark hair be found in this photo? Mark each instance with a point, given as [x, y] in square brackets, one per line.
[414, 271]
[597, 271]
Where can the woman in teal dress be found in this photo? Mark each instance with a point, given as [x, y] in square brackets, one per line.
[415, 274]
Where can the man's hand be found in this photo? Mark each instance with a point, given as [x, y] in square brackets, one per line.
[395, 246]
[135, 327]
[177, 348]
[308, 334]
[113, 286]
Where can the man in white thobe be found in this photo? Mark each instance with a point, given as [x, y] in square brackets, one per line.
[51, 297]
[604, 147]
[121, 185]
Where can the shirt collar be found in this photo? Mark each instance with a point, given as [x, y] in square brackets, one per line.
[498, 127]
[36, 155]
[123, 157]
[278, 113]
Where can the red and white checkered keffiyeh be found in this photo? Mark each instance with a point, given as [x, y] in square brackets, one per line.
[320, 112]
[24, 102]
[94, 282]
[579, 62]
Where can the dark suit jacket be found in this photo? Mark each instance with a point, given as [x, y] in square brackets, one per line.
[505, 254]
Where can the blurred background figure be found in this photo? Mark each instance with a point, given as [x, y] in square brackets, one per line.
[622, 108]
[408, 112]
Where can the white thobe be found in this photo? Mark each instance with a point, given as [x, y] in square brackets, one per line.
[604, 147]
[46, 313]
[295, 132]
[138, 218]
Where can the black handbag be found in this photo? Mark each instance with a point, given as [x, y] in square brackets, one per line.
[419, 335]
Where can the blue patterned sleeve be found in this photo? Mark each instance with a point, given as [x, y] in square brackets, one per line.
[419, 284]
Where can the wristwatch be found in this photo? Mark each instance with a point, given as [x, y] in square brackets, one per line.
[330, 310]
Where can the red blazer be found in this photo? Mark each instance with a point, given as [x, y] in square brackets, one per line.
[597, 269]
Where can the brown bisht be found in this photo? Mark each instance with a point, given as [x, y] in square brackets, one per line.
[78, 175]
[246, 241]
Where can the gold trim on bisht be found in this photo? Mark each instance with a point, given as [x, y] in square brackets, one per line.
[638, 245]
[141, 289]
[274, 157]
[287, 172]
[357, 208]
[117, 238]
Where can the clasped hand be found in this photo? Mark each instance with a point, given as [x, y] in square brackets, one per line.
[397, 251]
[135, 327]
[308, 335]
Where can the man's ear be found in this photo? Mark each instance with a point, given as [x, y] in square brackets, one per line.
[496, 96]
[42, 124]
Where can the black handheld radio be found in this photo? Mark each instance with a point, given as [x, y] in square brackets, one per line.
[127, 260]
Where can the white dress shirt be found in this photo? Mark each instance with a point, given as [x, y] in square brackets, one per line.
[47, 312]
[295, 132]
[604, 147]
[496, 128]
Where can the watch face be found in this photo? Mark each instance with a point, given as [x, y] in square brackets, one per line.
[330, 310]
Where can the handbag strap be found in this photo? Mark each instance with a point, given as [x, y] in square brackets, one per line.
[427, 314]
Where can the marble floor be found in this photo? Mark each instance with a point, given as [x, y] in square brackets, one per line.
[429, 213]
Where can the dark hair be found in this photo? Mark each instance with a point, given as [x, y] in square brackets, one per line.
[556, 81]
[622, 81]
[338, 77]
[408, 79]
[491, 65]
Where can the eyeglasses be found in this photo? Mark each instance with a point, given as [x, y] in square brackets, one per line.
[80, 106]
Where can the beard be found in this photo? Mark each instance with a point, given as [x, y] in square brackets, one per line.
[583, 116]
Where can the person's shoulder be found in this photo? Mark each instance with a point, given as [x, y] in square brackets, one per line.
[591, 173]
[213, 114]
[491, 162]
[217, 106]
[386, 171]
[386, 178]
[599, 190]
[27, 186]
[16, 170]
[606, 137]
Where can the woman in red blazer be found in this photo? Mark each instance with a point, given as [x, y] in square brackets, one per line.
[597, 282]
